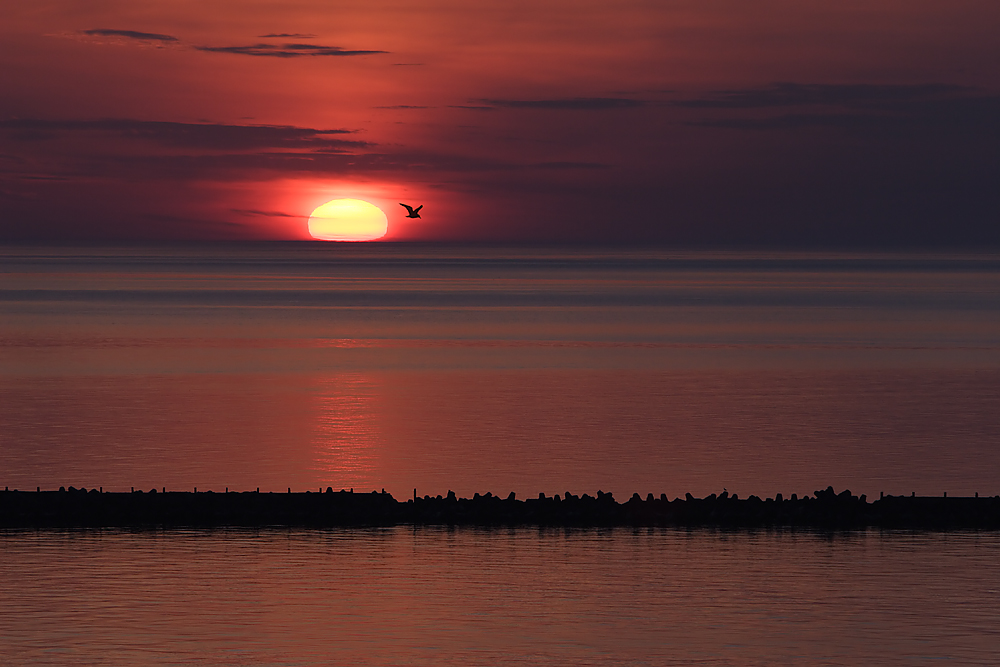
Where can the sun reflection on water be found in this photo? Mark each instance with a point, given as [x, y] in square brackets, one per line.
[347, 440]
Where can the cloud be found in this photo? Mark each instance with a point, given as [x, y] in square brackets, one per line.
[129, 34]
[802, 94]
[861, 107]
[794, 121]
[288, 50]
[136, 149]
[216, 165]
[265, 214]
[207, 136]
[43, 177]
[403, 106]
[197, 222]
[571, 165]
[571, 103]
[263, 49]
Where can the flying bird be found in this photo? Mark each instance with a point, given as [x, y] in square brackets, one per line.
[412, 212]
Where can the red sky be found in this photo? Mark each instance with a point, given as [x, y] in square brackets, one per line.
[871, 122]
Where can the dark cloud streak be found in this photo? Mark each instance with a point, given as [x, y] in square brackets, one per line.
[188, 167]
[206, 136]
[844, 95]
[129, 34]
[288, 50]
[571, 165]
[566, 104]
[931, 107]
[265, 214]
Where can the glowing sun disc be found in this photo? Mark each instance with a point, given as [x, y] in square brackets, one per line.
[348, 220]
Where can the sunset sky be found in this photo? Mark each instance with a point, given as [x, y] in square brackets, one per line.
[720, 122]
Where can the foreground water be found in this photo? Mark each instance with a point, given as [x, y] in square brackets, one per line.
[437, 368]
[503, 597]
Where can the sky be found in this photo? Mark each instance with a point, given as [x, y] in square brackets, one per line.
[669, 122]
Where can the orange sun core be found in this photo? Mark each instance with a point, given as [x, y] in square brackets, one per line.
[348, 220]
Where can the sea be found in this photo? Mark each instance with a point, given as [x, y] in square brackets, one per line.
[428, 368]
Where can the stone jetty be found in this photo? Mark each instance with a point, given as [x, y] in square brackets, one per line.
[825, 509]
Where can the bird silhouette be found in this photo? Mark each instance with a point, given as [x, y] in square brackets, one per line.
[412, 212]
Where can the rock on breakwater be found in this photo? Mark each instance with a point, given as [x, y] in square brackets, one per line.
[824, 509]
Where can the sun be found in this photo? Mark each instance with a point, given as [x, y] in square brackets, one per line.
[348, 220]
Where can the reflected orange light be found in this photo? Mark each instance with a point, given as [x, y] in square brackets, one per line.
[348, 220]
[347, 437]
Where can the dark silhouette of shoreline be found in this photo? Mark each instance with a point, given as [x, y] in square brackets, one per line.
[824, 510]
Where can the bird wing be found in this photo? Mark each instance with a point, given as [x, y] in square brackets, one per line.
[407, 207]
[417, 209]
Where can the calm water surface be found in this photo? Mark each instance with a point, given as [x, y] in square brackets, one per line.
[437, 368]
[508, 597]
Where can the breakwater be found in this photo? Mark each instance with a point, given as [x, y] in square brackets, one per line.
[824, 509]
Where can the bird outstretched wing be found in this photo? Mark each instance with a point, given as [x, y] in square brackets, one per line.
[409, 208]
[417, 209]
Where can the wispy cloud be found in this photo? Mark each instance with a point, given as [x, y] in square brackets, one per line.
[857, 107]
[265, 214]
[262, 49]
[125, 148]
[803, 94]
[569, 103]
[288, 50]
[571, 165]
[129, 34]
[207, 136]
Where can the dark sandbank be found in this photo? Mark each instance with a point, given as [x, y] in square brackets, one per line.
[824, 510]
